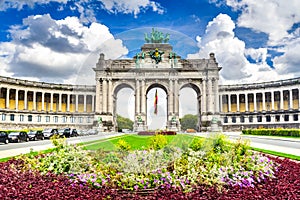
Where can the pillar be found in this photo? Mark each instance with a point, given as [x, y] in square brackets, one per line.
[68, 102]
[98, 103]
[246, 102]
[143, 98]
[272, 100]
[93, 103]
[171, 96]
[51, 102]
[104, 96]
[203, 100]
[290, 99]
[176, 97]
[43, 101]
[237, 102]
[281, 99]
[17, 99]
[110, 97]
[59, 102]
[25, 100]
[7, 98]
[263, 101]
[229, 102]
[221, 102]
[76, 102]
[216, 94]
[254, 102]
[84, 103]
[34, 100]
[137, 97]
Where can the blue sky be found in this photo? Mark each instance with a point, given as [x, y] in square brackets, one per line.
[60, 40]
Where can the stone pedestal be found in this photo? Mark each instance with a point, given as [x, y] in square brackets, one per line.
[139, 126]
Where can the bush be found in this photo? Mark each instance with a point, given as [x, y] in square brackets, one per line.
[273, 132]
[197, 144]
[123, 145]
[158, 142]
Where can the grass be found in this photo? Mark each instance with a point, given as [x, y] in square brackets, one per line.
[275, 153]
[138, 142]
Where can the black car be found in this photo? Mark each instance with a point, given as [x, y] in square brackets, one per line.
[35, 135]
[48, 133]
[4, 137]
[74, 133]
[64, 132]
[18, 136]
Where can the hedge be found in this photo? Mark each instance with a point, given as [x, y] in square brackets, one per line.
[273, 132]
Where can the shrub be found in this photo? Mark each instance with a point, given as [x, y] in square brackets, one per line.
[273, 132]
[197, 144]
[158, 142]
[123, 145]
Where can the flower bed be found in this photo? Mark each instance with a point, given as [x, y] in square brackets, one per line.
[211, 169]
[157, 132]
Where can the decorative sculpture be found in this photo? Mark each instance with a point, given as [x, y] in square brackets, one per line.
[156, 55]
[157, 37]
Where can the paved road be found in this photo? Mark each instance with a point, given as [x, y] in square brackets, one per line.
[284, 145]
[13, 149]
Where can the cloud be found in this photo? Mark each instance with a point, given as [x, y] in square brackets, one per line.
[86, 8]
[231, 53]
[62, 51]
[131, 7]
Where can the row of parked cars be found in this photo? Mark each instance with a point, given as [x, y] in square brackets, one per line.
[18, 136]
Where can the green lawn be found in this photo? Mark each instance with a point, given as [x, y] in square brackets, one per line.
[138, 142]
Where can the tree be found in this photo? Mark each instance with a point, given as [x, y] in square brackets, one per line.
[189, 121]
[124, 123]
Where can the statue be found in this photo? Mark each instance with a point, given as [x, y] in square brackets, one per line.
[173, 119]
[157, 37]
[100, 120]
[156, 55]
[139, 119]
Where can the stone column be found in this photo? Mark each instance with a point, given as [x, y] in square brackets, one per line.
[43, 101]
[176, 97]
[254, 102]
[203, 99]
[25, 100]
[34, 100]
[84, 103]
[210, 99]
[104, 96]
[59, 102]
[7, 98]
[216, 93]
[237, 102]
[17, 99]
[76, 103]
[281, 99]
[93, 103]
[171, 100]
[137, 97]
[290, 99]
[98, 103]
[246, 102]
[110, 97]
[263, 100]
[272, 100]
[221, 103]
[229, 102]
[68, 102]
[51, 102]
[143, 96]
[298, 99]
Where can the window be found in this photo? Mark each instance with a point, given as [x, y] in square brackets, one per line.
[277, 118]
[3, 117]
[72, 119]
[233, 119]
[39, 118]
[259, 118]
[295, 117]
[225, 120]
[80, 120]
[242, 119]
[64, 119]
[251, 119]
[21, 118]
[47, 118]
[30, 118]
[88, 120]
[286, 118]
[268, 118]
[12, 117]
[55, 119]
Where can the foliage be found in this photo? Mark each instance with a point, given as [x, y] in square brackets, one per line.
[197, 144]
[158, 142]
[124, 123]
[123, 145]
[189, 121]
[273, 132]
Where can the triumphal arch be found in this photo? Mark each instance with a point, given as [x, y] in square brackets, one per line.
[157, 65]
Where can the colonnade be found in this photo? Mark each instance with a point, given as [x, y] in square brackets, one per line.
[48, 100]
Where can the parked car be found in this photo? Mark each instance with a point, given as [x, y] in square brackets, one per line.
[4, 137]
[48, 133]
[18, 136]
[35, 135]
[64, 132]
[74, 133]
[92, 132]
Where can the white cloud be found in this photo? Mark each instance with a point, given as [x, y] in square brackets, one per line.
[19, 4]
[273, 17]
[231, 53]
[131, 7]
[57, 50]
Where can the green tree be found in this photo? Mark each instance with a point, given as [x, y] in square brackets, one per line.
[124, 123]
[189, 121]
